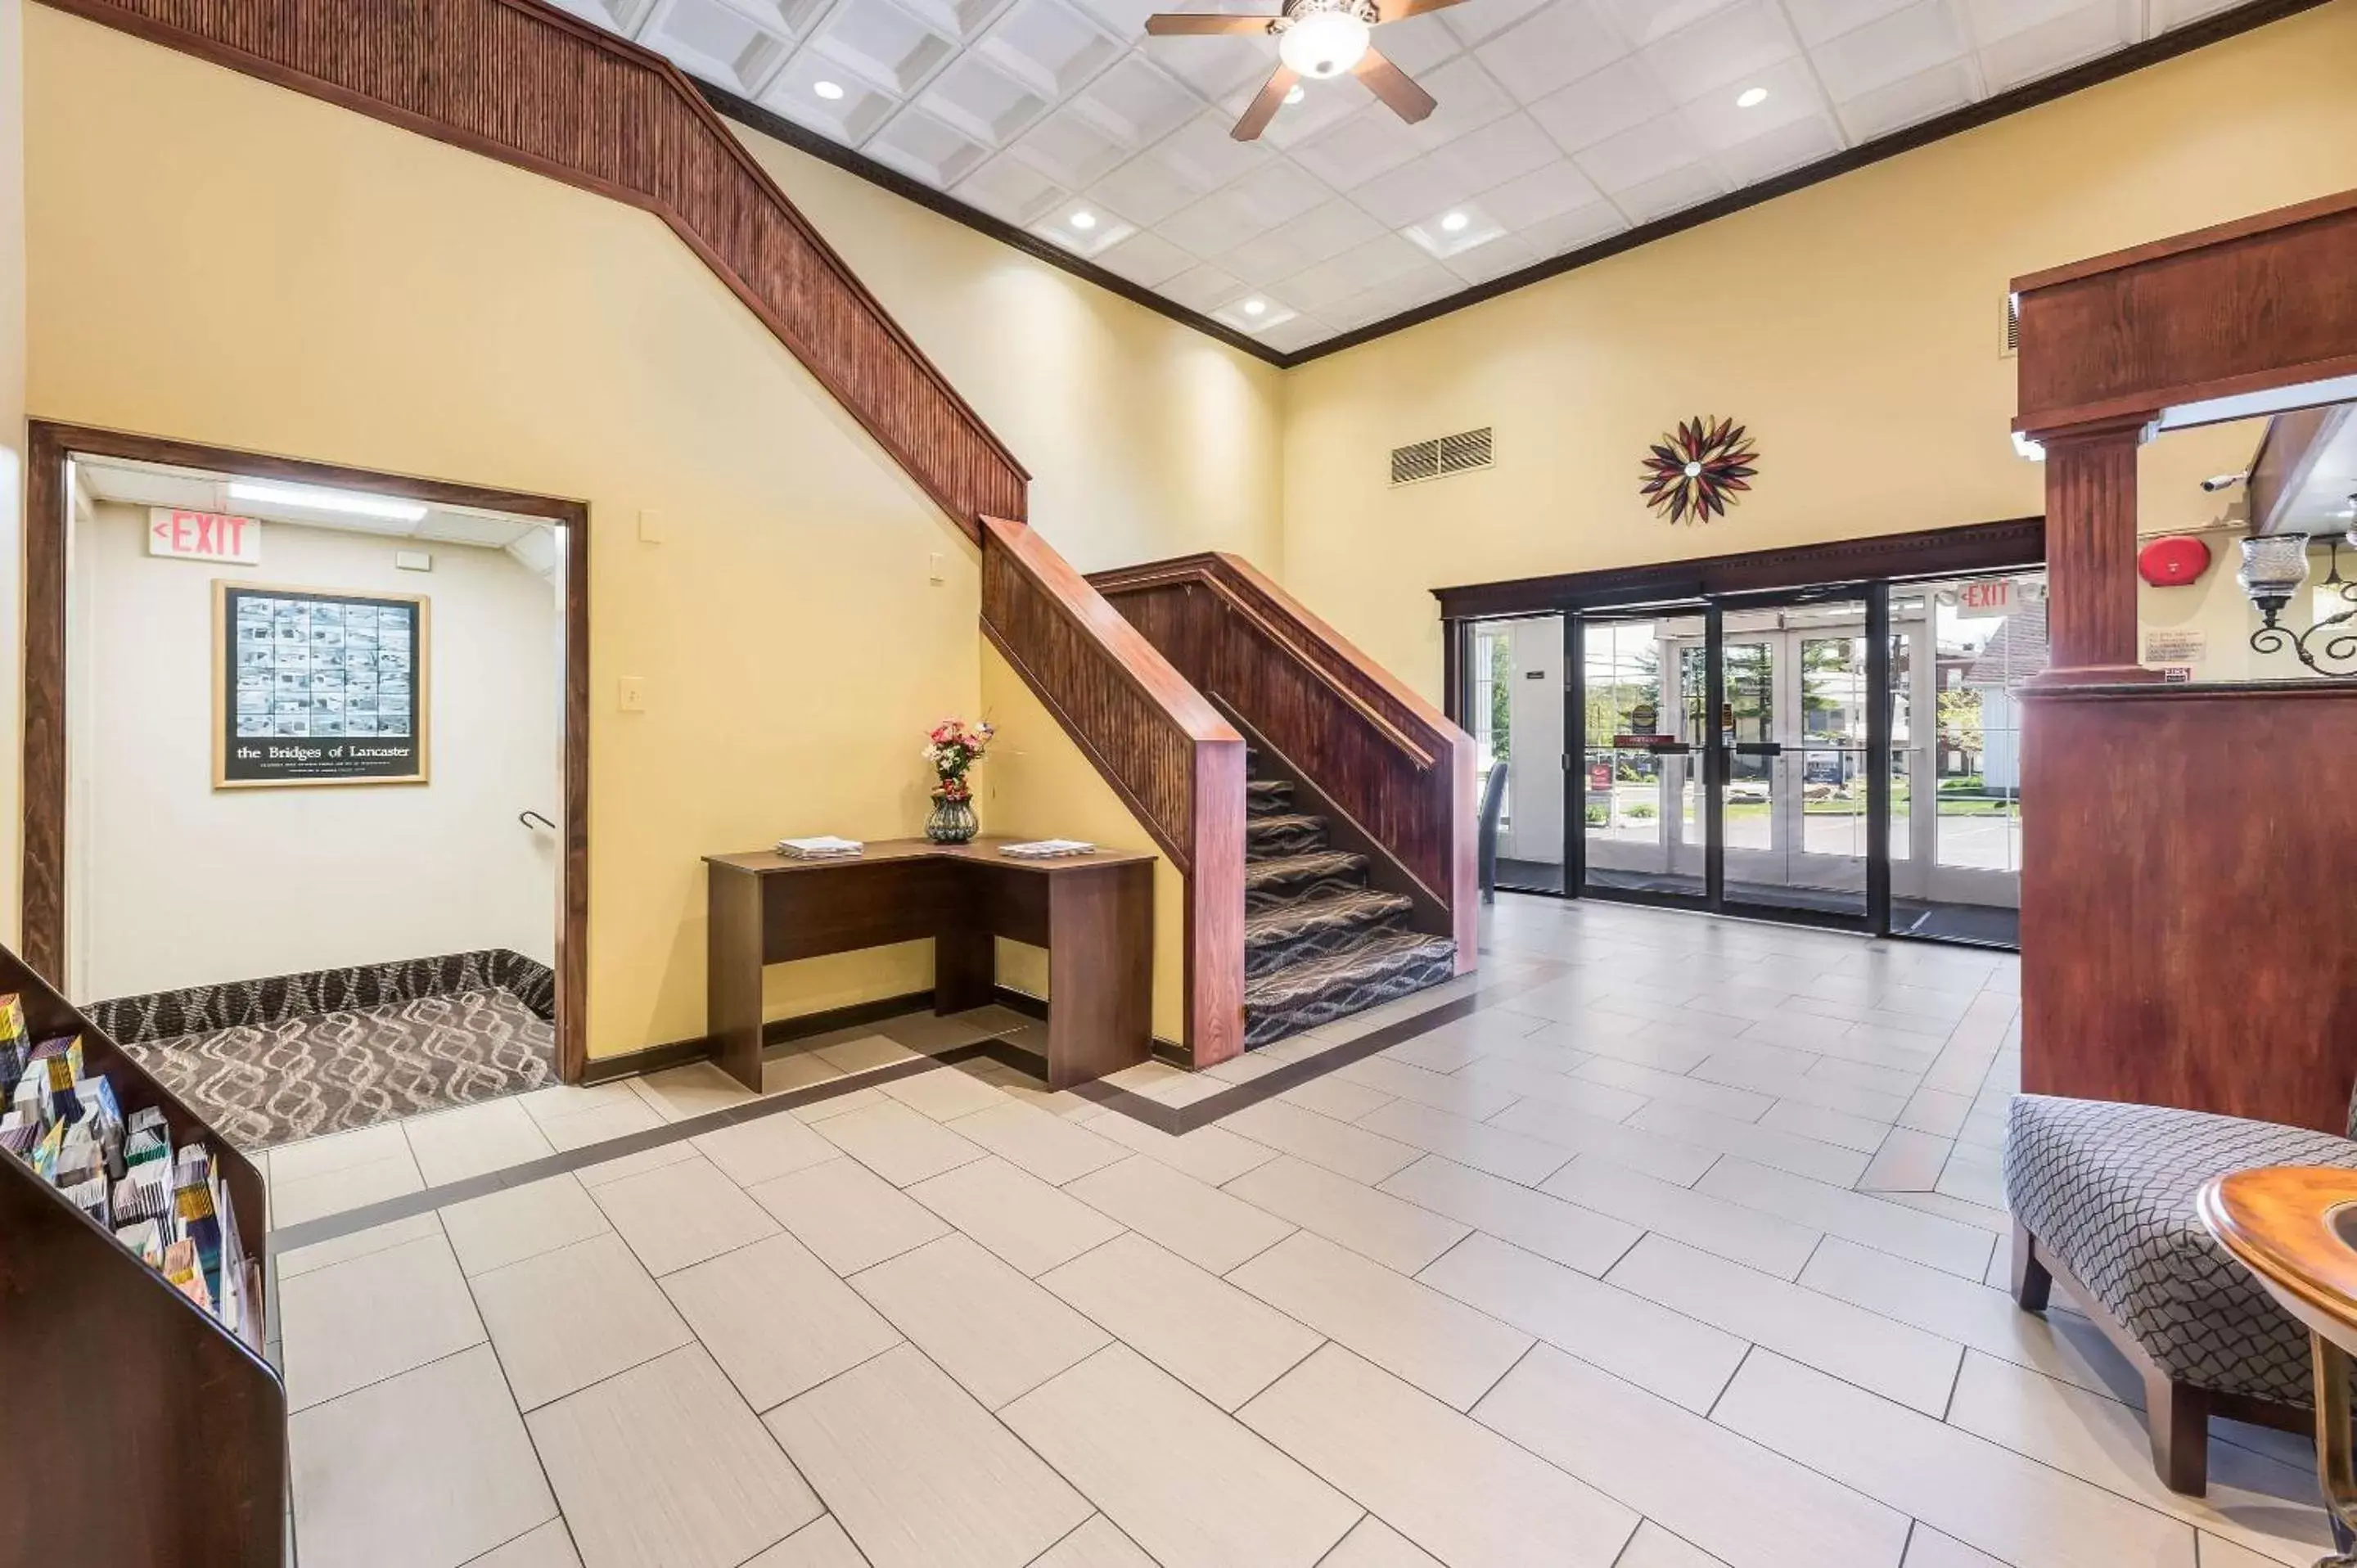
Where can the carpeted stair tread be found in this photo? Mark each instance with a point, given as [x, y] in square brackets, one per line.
[1267, 797]
[1318, 991]
[1277, 835]
[1304, 928]
[1296, 876]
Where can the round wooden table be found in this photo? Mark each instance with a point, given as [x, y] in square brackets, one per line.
[2295, 1226]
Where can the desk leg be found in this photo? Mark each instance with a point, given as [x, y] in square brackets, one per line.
[965, 970]
[1099, 973]
[2335, 1466]
[732, 973]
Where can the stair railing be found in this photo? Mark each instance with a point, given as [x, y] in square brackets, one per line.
[1382, 757]
[1173, 761]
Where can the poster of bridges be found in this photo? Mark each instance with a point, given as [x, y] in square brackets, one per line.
[317, 688]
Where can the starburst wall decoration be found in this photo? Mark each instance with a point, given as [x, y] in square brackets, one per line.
[1694, 472]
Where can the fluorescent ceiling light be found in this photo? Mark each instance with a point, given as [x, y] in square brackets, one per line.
[1752, 98]
[1085, 219]
[313, 497]
[830, 90]
[1454, 223]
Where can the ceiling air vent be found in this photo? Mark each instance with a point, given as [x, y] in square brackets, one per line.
[2012, 325]
[1442, 456]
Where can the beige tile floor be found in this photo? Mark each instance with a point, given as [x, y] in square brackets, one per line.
[1682, 1252]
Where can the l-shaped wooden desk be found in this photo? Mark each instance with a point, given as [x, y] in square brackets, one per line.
[1094, 913]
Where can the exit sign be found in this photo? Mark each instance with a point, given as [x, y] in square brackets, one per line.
[1989, 596]
[204, 536]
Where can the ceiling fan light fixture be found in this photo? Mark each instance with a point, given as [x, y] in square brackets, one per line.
[1324, 44]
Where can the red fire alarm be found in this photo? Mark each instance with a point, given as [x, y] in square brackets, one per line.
[2172, 563]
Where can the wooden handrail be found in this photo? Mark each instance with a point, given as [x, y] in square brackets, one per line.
[1382, 757]
[524, 82]
[1175, 762]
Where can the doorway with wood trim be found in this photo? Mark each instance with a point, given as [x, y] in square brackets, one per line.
[315, 873]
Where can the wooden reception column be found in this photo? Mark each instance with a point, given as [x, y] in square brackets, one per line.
[2187, 849]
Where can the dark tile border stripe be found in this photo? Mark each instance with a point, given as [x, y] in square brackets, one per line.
[1171, 1119]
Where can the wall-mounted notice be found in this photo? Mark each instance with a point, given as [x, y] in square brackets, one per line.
[204, 536]
[2176, 645]
[317, 688]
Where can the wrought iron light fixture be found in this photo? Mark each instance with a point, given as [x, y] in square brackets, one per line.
[2273, 567]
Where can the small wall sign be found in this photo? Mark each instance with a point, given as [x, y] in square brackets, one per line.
[204, 536]
[1989, 596]
[2176, 646]
[317, 688]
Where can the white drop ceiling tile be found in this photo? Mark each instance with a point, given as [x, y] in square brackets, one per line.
[2068, 41]
[1327, 231]
[850, 118]
[1072, 150]
[1052, 47]
[1358, 147]
[1410, 192]
[1506, 253]
[1126, 19]
[1779, 151]
[926, 148]
[1817, 20]
[1732, 48]
[1572, 230]
[1477, 19]
[1218, 222]
[1639, 154]
[1203, 288]
[959, 18]
[1993, 19]
[983, 101]
[1279, 191]
[1416, 44]
[1673, 192]
[1720, 120]
[1642, 21]
[1465, 228]
[1295, 332]
[2170, 13]
[1214, 65]
[1322, 287]
[1146, 189]
[1380, 261]
[1936, 92]
[1907, 42]
[1083, 231]
[1267, 260]
[1558, 44]
[1555, 187]
[1498, 152]
[1134, 101]
[791, 18]
[1469, 98]
[1601, 105]
[1364, 309]
[877, 39]
[1202, 150]
[621, 16]
[1010, 188]
[1146, 259]
[719, 43]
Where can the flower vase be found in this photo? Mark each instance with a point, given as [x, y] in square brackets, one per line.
[952, 821]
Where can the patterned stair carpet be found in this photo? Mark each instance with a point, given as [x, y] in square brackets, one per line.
[272, 1083]
[1319, 944]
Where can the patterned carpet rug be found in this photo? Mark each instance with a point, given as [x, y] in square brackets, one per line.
[264, 1084]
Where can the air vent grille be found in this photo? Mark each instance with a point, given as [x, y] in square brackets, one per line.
[2012, 325]
[1443, 456]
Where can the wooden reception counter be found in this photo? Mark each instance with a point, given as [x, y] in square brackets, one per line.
[1094, 913]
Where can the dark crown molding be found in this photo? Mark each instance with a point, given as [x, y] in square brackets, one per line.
[2095, 73]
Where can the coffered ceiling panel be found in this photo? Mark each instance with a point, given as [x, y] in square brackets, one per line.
[1561, 122]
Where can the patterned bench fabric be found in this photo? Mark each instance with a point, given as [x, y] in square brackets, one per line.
[2108, 1190]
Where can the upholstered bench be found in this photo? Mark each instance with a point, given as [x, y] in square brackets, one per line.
[2101, 1195]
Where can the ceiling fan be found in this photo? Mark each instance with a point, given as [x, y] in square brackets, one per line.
[1318, 40]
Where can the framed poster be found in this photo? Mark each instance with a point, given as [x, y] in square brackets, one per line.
[317, 688]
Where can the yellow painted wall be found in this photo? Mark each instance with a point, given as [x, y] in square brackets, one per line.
[219, 260]
[1036, 784]
[1145, 438]
[1856, 327]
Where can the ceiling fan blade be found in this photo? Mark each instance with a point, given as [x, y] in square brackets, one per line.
[1169, 24]
[1394, 87]
[1401, 10]
[1264, 106]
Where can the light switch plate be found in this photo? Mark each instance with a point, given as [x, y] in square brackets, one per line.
[651, 528]
[631, 691]
[937, 571]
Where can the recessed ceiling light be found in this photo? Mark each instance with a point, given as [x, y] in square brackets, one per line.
[1752, 98]
[1255, 307]
[1455, 221]
[1083, 219]
[1298, 95]
[830, 90]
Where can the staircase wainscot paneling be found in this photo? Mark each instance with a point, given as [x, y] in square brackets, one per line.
[525, 83]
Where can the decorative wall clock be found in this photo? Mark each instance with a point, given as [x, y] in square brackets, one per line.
[1694, 473]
